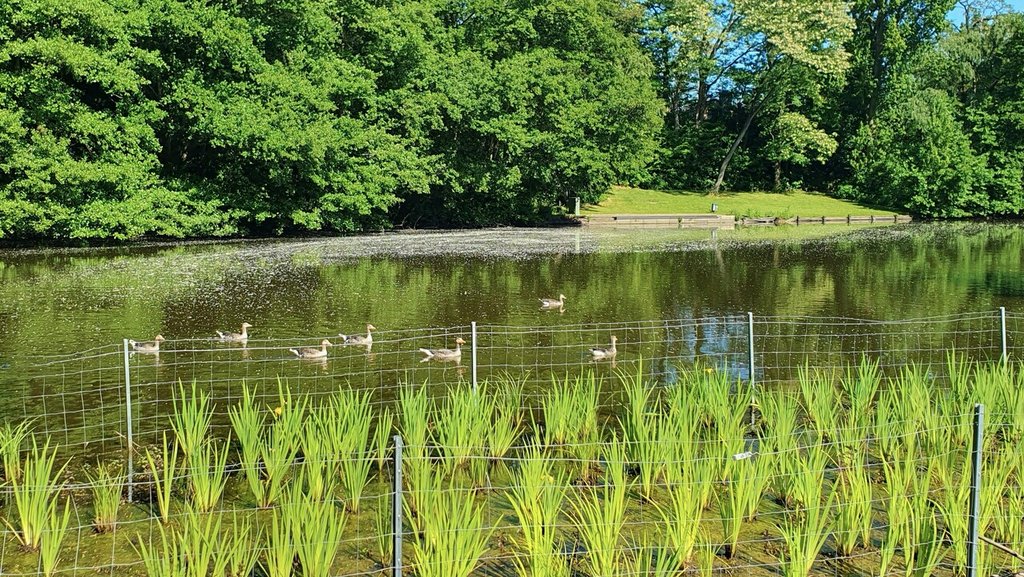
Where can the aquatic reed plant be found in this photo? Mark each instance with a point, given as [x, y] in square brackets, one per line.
[507, 416]
[382, 438]
[820, 397]
[12, 439]
[280, 549]
[278, 452]
[316, 532]
[569, 413]
[454, 535]
[779, 416]
[316, 471]
[643, 431]
[166, 560]
[289, 419]
[164, 469]
[887, 550]
[681, 522]
[414, 411]
[569, 410]
[685, 419]
[854, 509]
[355, 476]
[536, 495]
[653, 560]
[247, 422]
[35, 495]
[958, 374]
[461, 429]
[237, 554]
[414, 421]
[908, 397]
[207, 474]
[804, 479]
[599, 514]
[706, 553]
[735, 504]
[53, 537]
[849, 443]
[925, 549]
[345, 424]
[200, 541]
[106, 485]
[860, 387]
[383, 533]
[805, 535]
[193, 413]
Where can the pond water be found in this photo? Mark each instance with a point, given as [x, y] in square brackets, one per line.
[672, 297]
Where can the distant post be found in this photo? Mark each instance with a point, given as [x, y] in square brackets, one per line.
[128, 417]
[577, 213]
[396, 511]
[750, 351]
[1002, 334]
[974, 507]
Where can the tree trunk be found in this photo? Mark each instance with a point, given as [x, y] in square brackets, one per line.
[778, 176]
[735, 145]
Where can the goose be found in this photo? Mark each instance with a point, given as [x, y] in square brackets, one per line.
[312, 352]
[445, 354]
[553, 303]
[605, 352]
[150, 347]
[242, 336]
[359, 339]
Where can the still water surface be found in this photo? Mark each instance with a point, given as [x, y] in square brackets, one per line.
[645, 286]
[65, 301]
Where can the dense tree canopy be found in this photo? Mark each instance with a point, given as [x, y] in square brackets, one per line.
[128, 118]
[123, 118]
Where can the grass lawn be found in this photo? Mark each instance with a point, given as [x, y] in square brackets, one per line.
[623, 200]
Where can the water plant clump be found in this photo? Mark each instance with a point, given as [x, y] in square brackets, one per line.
[590, 477]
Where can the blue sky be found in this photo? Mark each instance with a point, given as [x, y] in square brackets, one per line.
[1017, 5]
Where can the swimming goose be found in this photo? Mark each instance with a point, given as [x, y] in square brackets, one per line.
[359, 339]
[553, 303]
[445, 354]
[603, 352]
[150, 347]
[242, 336]
[312, 352]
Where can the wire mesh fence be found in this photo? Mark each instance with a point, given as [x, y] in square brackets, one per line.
[80, 399]
[98, 403]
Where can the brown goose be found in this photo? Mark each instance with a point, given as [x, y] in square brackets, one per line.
[312, 352]
[445, 354]
[150, 347]
[553, 303]
[242, 336]
[359, 339]
[605, 352]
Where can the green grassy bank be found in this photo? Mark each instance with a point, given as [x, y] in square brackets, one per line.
[623, 200]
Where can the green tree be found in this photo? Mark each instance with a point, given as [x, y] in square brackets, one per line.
[528, 104]
[917, 156]
[78, 153]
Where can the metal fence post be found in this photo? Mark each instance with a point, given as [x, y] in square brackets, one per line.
[128, 417]
[1002, 333]
[750, 361]
[473, 339]
[396, 507]
[975, 504]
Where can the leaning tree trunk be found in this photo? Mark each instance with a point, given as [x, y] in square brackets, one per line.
[735, 145]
